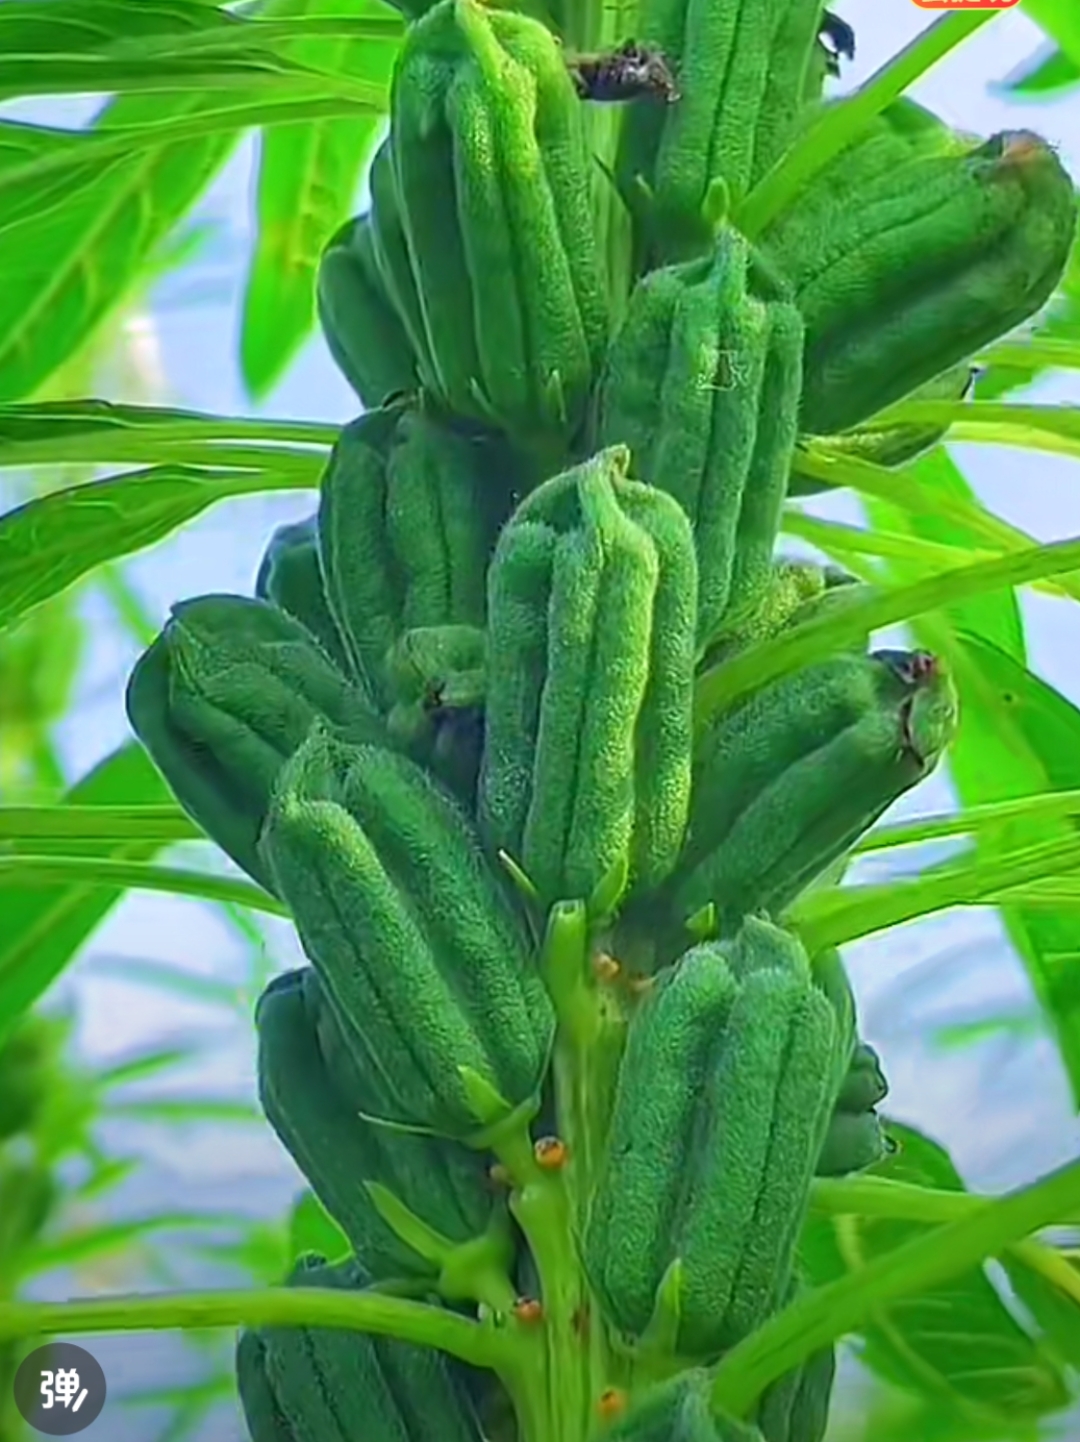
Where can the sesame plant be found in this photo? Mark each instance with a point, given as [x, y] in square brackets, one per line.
[556, 759]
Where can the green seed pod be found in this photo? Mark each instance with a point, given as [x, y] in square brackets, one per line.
[327, 1384]
[591, 610]
[853, 1142]
[407, 523]
[437, 676]
[725, 1090]
[390, 251]
[290, 576]
[265, 1420]
[791, 71]
[679, 1411]
[922, 266]
[896, 445]
[412, 933]
[742, 70]
[702, 383]
[493, 178]
[788, 782]
[342, 1153]
[796, 1407]
[223, 698]
[363, 331]
[789, 596]
[865, 1085]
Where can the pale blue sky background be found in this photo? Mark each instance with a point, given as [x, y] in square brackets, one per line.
[1002, 1108]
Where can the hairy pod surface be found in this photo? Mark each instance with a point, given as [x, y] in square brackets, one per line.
[493, 185]
[322, 1384]
[796, 1407]
[412, 933]
[290, 577]
[789, 596]
[789, 781]
[742, 70]
[906, 276]
[724, 1094]
[390, 251]
[341, 1151]
[853, 1142]
[364, 331]
[223, 698]
[591, 612]
[407, 519]
[702, 383]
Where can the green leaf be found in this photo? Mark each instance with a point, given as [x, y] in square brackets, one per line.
[55, 540]
[171, 979]
[989, 817]
[753, 668]
[93, 431]
[31, 871]
[308, 177]
[105, 46]
[1018, 738]
[1051, 428]
[45, 928]
[61, 161]
[831, 916]
[186, 1110]
[1050, 73]
[72, 258]
[38, 828]
[957, 1343]
[81, 1245]
[1054, 1308]
[313, 1229]
[1060, 21]
[144, 1064]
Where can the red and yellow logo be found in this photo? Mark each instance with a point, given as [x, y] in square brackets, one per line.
[966, 4]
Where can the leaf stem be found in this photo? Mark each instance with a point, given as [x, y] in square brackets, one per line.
[378, 1314]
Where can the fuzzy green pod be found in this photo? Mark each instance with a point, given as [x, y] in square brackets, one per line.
[679, 1411]
[223, 698]
[290, 576]
[796, 1407]
[390, 251]
[407, 522]
[865, 1085]
[343, 1154]
[321, 1384]
[793, 590]
[493, 183]
[413, 934]
[702, 382]
[724, 1094]
[264, 1418]
[895, 445]
[591, 611]
[853, 1142]
[437, 674]
[364, 332]
[923, 265]
[742, 70]
[786, 784]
